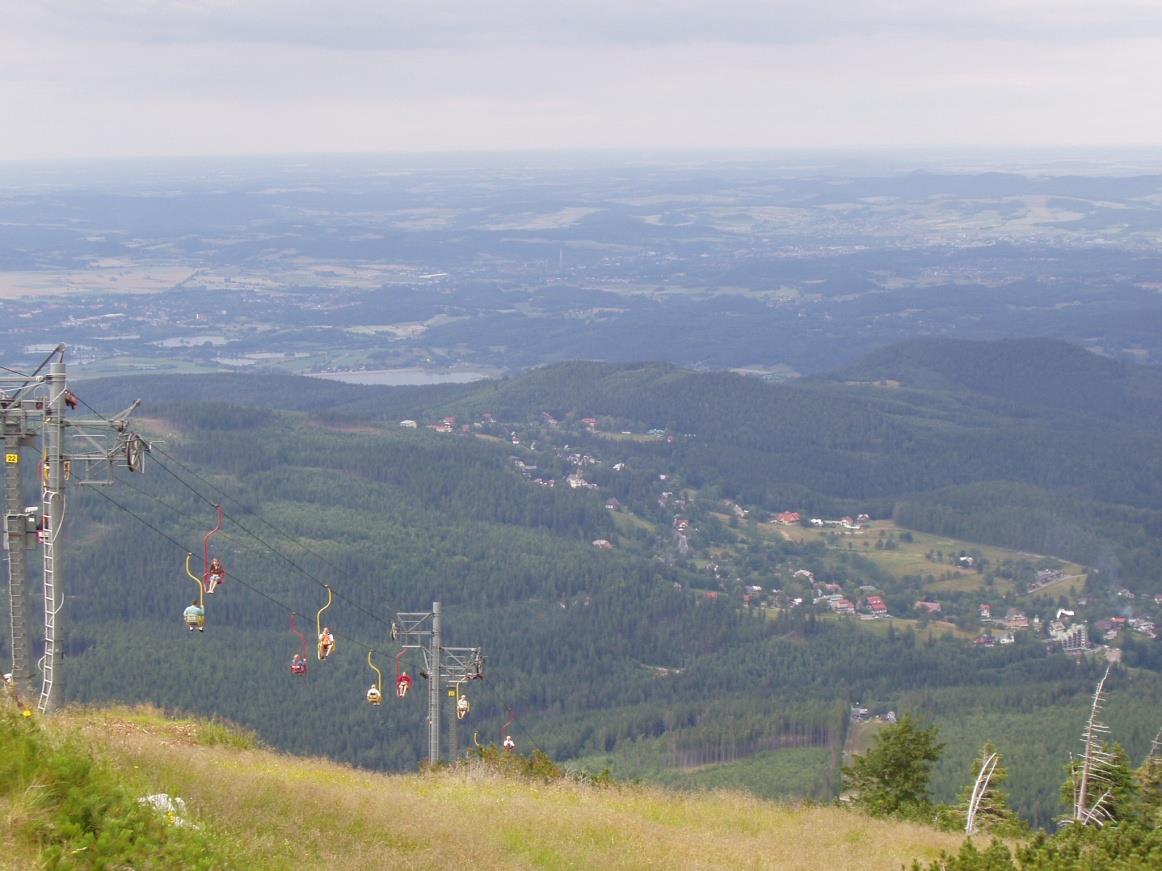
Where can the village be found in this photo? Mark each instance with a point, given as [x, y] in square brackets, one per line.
[986, 596]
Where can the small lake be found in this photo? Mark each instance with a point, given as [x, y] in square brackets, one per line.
[402, 377]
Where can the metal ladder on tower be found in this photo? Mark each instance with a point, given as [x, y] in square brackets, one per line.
[51, 519]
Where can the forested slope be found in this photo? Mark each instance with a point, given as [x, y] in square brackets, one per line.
[600, 654]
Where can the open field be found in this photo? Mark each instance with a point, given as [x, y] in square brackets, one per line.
[628, 436]
[111, 277]
[935, 628]
[626, 523]
[289, 812]
[861, 738]
[909, 557]
[884, 625]
[789, 771]
[117, 366]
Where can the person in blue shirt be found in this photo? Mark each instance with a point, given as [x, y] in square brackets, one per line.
[195, 617]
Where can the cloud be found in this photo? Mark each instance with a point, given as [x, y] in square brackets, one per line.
[119, 77]
[412, 24]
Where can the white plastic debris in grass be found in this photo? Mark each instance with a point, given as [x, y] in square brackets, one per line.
[174, 807]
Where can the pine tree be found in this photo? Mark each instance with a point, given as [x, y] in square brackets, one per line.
[892, 778]
[1149, 778]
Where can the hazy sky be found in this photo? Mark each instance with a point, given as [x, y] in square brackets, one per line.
[98, 78]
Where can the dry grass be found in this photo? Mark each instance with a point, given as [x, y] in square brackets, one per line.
[15, 853]
[292, 812]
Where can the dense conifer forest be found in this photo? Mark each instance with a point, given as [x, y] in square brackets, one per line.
[640, 657]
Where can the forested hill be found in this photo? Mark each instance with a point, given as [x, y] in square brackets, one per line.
[1032, 444]
[597, 528]
[1038, 373]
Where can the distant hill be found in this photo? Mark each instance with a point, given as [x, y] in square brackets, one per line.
[1080, 429]
[1042, 373]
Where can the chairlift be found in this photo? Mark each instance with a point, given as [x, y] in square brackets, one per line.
[195, 619]
[326, 639]
[214, 575]
[403, 681]
[375, 693]
[299, 663]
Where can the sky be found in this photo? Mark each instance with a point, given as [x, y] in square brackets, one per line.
[124, 78]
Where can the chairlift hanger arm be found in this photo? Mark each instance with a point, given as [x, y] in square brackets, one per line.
[201, 589]
[299, 634]
[208, 536]
[378, 673]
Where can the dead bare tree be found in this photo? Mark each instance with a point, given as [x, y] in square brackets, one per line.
[1091, 772]
[979, 790]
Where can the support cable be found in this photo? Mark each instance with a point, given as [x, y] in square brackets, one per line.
[270, 547]
[233, 519]
[233, 577]
[280, 554]
[245, 507]
[174, 508]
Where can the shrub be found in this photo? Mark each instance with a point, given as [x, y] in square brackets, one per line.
[77, 814]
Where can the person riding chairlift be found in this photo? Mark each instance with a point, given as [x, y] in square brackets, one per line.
[509, 744]
[402, 684]
[215, 575]
[194, 617]
[374, 696]
[463, 707]
[298, 664]
[326, 643]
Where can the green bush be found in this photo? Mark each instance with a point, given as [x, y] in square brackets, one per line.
[219, 734]
[74, 811]
[537, 765]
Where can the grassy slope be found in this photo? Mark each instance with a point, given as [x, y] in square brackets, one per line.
[908, 557]
[791, 772]
[289, 812]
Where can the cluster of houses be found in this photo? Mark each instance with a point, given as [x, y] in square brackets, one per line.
[1111, 627]
[1015, 619]
[871, 607]
[445, 424]
[851, 524]
[528, 472]
[860, 714]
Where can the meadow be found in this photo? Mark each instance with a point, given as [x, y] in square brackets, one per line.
[268, 810]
